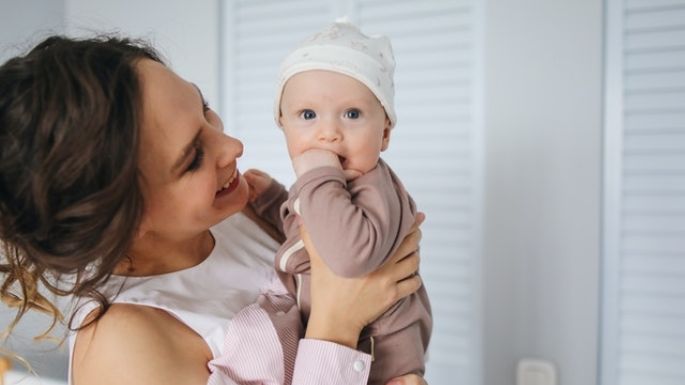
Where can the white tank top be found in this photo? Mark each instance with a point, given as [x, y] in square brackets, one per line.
[206, 296]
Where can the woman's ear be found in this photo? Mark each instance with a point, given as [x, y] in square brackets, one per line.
[386, 134]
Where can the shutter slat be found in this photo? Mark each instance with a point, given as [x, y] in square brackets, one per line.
[655, 142]
[670, 122]
[656, 161]
[665, 39]
[635, 5]
[654, 243]
[659, 80]
[655, 99]
[657, 17]
[653, 222]
[269, 10]
[654, 183]
[664, 60]
[659, 365]
[371, 12]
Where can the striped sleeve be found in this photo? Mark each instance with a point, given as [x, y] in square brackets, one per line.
[326, 363]
[263, 346]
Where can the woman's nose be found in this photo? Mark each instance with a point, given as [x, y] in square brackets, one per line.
[229, 149]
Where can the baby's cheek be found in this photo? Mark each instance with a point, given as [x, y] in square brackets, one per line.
[295, 146]
[298, 148]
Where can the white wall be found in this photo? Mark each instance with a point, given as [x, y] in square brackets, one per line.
[24, 23]
[185, 32]
[542, 233]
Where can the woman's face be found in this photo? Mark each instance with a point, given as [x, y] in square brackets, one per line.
[189, 166]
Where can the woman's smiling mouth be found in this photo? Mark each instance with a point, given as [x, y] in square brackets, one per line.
[230, 184]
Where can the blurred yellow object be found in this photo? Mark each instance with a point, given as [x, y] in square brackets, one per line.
[5, 365]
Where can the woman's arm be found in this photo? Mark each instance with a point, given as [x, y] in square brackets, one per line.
[341, 307]
[134, 344]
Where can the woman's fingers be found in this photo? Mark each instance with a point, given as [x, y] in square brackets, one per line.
[408, 286]
[408, 379]
[406, 267]
[409, 245]
[418, 220]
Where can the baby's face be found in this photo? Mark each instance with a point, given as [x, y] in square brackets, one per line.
[331, 111]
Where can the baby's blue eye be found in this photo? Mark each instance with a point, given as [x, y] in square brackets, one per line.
[308, 114]
[352, 113]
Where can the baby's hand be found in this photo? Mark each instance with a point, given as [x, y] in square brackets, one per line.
[258, 181]
[314, 158]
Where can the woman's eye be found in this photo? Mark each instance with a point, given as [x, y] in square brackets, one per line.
[197, 160]
[308, 114]
[205, 106]
[352, 113]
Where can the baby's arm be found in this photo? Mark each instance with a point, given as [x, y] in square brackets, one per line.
[266, 196]
[354, 225]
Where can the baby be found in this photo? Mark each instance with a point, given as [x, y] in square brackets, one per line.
[335, 106]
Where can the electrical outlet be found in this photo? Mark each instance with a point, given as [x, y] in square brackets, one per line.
[535, 372]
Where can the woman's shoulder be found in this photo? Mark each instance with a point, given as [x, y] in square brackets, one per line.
[136, 344]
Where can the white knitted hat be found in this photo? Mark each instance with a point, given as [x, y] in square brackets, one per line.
[343, 48]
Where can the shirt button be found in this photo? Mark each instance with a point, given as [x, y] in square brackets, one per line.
[358, 366]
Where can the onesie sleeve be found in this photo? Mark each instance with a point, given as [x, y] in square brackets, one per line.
[268, 204]
[355, 226]
[327, 363]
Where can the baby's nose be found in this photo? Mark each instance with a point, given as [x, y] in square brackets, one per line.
[330, 133]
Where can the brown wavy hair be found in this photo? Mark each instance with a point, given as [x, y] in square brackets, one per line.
[70, 200]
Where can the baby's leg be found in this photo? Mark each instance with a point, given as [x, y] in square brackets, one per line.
[395, 354]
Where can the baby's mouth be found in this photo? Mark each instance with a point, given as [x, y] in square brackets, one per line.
[342, 160]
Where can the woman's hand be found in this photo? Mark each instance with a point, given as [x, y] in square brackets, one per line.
[408, 379]
[341, 307]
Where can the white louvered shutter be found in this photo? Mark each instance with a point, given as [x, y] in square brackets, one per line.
[436, 148]
[643, 339]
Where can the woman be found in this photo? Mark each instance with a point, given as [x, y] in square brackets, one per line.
[118, 186]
